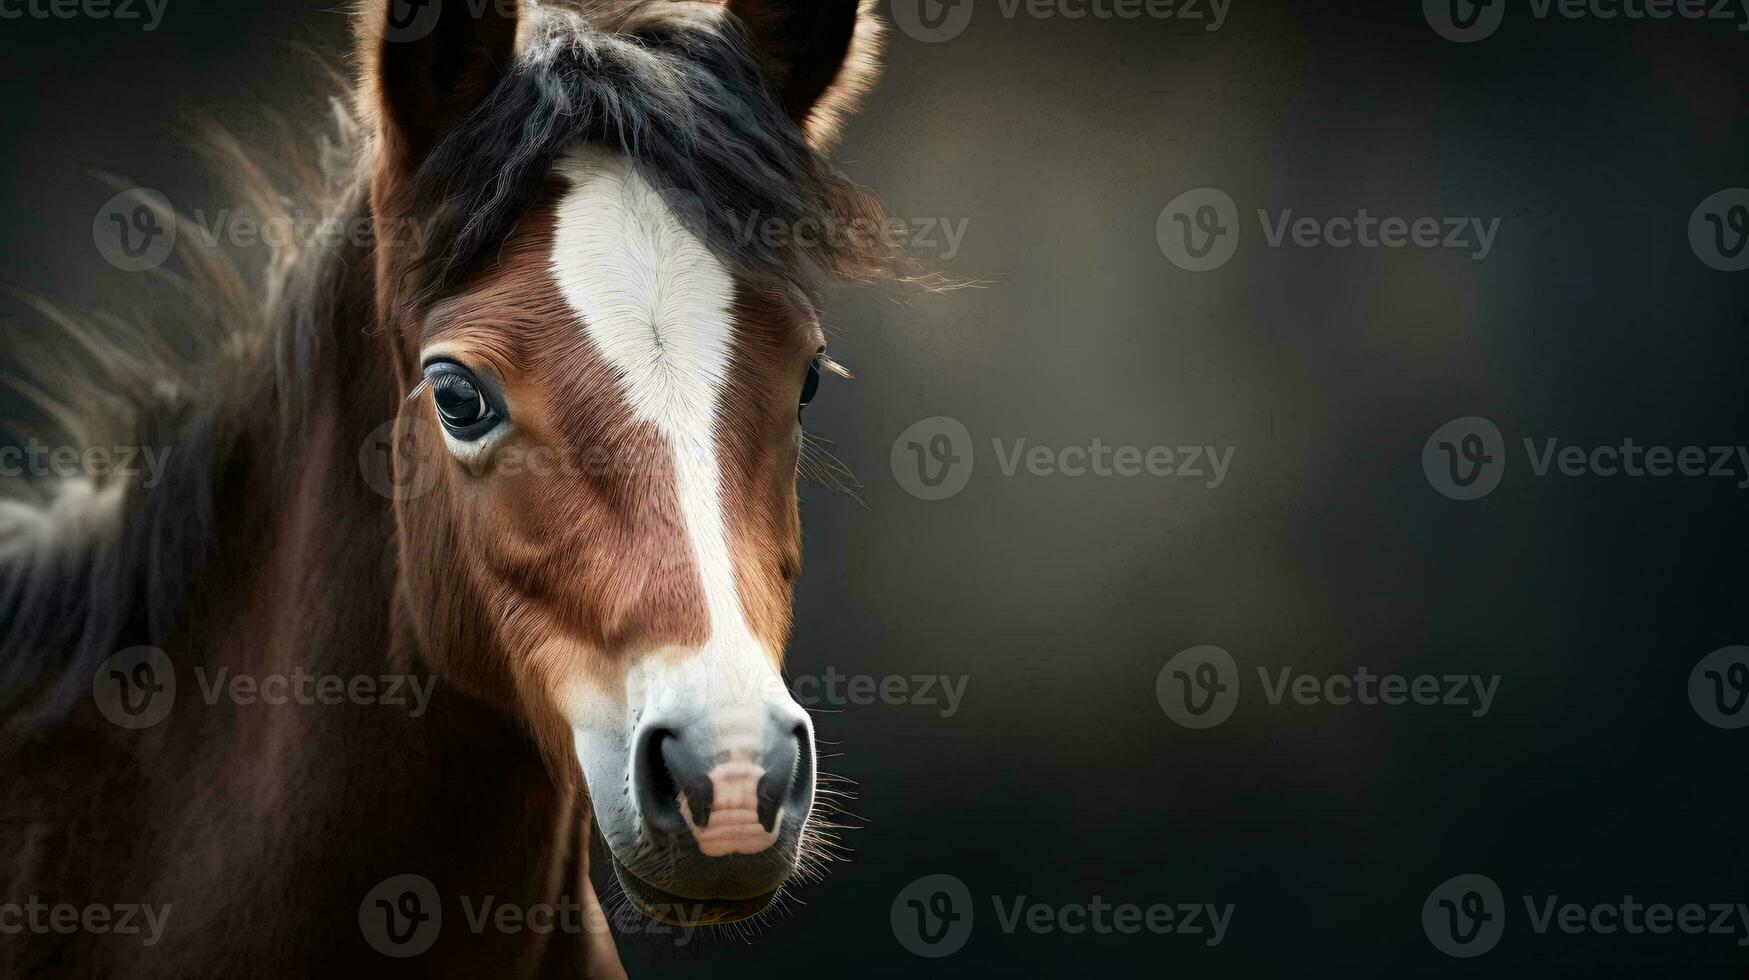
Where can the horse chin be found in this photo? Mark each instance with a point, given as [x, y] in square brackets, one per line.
[676, 910]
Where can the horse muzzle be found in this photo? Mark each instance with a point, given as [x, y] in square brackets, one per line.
[713, 795]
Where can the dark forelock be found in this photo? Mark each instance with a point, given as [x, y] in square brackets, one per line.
[686, 105]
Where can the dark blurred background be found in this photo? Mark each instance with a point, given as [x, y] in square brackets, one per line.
[1055, 144]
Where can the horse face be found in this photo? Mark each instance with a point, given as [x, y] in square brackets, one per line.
[615, 507]
[602, 426]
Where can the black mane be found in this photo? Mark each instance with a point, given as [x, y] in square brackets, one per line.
[62, 611]
[685, 105]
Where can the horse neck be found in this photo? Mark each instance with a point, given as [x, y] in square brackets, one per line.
[303, 545]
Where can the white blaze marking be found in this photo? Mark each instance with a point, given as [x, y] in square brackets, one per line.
[656, 304]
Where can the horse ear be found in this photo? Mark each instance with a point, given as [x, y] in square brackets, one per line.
[819, 57]
[427, 63]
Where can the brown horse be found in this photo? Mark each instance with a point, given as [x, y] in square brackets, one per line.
[473, 531]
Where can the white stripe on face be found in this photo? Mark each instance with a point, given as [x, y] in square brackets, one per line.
[657, 305]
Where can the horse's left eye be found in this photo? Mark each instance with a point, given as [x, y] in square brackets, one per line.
[811, 385]
[461, 402]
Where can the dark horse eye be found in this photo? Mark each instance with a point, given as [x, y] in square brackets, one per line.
[462, 405]
[811, 386]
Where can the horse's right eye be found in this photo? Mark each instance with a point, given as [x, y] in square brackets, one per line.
[462, 405]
